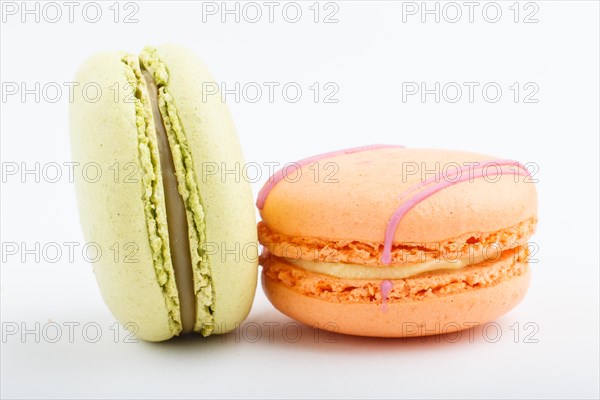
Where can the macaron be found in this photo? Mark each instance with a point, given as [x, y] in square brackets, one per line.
[390, 241]
[169, 227]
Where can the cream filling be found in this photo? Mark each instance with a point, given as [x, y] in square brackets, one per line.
[176, 216]
[357, 271]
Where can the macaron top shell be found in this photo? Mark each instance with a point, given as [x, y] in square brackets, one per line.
[353, 196]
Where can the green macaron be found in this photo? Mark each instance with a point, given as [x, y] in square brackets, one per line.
[177, 238]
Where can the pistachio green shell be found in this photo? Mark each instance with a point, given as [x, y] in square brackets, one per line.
[139, 288]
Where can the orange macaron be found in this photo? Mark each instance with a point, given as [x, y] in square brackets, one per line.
[392, 242]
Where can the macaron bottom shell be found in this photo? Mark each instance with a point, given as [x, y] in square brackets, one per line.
[454, 301]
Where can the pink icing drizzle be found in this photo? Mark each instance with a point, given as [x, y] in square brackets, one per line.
[477, 172]
[282, 173]
[386, 287]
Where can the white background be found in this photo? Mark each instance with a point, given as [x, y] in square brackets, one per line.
[548, 345]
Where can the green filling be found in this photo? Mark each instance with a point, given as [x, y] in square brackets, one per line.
[189, 190]
[153, 195]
